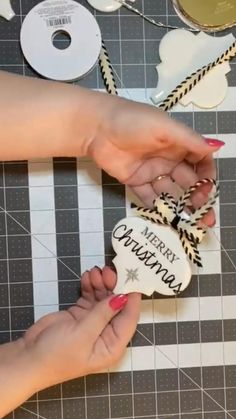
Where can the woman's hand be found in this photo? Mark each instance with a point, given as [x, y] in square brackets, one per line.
[137, 143]
[90, 336]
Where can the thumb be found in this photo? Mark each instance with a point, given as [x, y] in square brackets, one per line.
[99, 317]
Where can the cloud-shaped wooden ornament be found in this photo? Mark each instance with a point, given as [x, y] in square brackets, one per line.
[182, 53]
[149, 257]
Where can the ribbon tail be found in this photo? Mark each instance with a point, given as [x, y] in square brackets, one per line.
[199, 213]
[187, 195]
[192, 231]
[191, 250]
[190, 227]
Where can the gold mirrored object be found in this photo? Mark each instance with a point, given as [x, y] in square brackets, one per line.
[208, 15]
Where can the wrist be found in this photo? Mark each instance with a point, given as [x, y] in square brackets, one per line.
[87, 113]
[105, 108]
[20, 375]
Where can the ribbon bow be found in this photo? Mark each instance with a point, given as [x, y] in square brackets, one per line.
[170, 212]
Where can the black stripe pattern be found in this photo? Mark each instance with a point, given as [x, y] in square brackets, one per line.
[167, 211]
[107, 72]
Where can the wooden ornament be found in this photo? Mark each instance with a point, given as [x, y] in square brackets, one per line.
[149, 257]
[179, 73]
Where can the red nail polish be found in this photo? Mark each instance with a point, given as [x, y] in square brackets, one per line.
[118, 302]
[214, 143]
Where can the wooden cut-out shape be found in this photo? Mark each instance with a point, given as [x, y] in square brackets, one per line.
[149, 257]
[182, 53]
[6, 10]
[211, 90]
[105, 5]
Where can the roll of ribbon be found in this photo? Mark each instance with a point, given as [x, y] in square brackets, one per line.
[67, 17]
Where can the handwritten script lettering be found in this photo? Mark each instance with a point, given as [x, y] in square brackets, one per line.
[123, 234]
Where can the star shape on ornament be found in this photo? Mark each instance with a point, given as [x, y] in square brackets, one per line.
[132, 275]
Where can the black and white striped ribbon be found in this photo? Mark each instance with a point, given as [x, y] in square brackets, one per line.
[180, 91]
[166, 210]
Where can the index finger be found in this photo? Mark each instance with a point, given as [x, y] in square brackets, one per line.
[206, 168]
[197, 147]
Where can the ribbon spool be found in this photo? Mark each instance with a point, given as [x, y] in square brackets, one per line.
[67, 17]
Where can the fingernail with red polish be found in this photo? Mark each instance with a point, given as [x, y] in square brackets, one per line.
[118, 302]
[214, 143]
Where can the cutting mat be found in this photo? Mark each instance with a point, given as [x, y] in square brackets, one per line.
[181, 362]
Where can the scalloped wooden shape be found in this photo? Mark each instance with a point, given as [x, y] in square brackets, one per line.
[196, 51]
[149, 257]
[211, 90]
